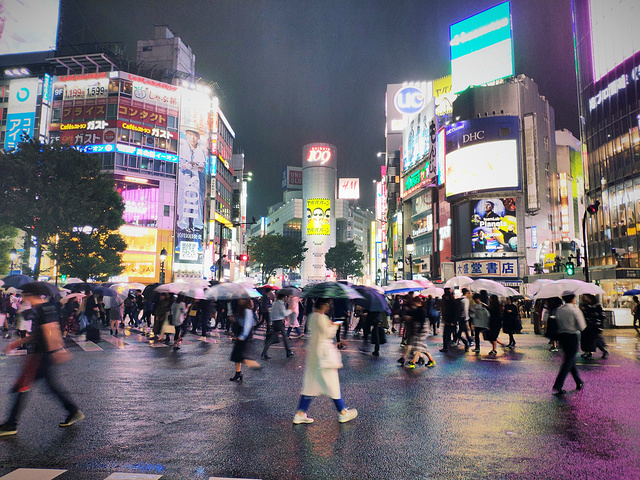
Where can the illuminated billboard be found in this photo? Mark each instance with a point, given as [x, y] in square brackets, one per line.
[318, 216]
[349, 188]
[416, 137]
[319, 155]
[404, 100]
[481, 48]
[28, 26]
[21, 117]
[482, 154]
[493, 225]
[615, 35]
[292, 178]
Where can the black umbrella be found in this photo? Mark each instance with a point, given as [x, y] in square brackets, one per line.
[150, 293]
[372, 300]
[104, 291]
[40, 288]
[80, 287]
[291, 291]
[16, 281]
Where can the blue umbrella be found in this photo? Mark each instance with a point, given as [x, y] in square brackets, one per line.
[16, 281]
[104, 291]
[372, 300]
[630, 293]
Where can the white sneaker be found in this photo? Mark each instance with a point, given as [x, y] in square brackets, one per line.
[348, 416]
[298, 419]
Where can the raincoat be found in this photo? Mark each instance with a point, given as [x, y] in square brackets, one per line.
[323, 359]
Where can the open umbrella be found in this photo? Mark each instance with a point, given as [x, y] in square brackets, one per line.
[402, 286]
[1, 283]
[195, 293]
[331, 290]
[538, 284]
[424, 283]
[230, 291]
[372, 300]
[435, 292]
[40, 288]
[559, 288]
[80, 286]
[16, 280]
[291, 291]
[458, 281]
[149, 292]
[631, 293]
[491, 286]
[104, 291]
[74, 280]
[73, 296]
[173, 287]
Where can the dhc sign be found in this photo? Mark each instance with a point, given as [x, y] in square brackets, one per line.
[409, 100]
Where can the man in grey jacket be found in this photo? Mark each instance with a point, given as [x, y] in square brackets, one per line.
[570, 322]
[278, 313]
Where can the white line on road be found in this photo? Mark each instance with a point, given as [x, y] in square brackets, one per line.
[85, 344]
[32, 474]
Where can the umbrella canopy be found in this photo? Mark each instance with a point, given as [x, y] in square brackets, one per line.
[630, 293]
[104, 291]
[458, 281]
[16, 281]
[491, 286]
[402, 286]
[1, 283]
[174, 288]
[433, 291]
[559, 288]
[74, 280]
[125, 287]
[538, 284]
[331, 290]
[230, 291]
[424, 283]
[73, 296]
[267, 287]
[194, 292]
[80, 286]
[514, 293]
[372, 300]
[149, 292]
[291, 291]
[40, 288]
[13, 290]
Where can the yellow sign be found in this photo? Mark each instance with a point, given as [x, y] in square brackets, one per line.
[318, 216]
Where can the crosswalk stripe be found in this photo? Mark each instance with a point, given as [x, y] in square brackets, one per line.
[132, 476]
[230, 478]
[33, 474]
[85, 344]
[115, 341]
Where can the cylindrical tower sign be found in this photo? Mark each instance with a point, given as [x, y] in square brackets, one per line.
[319, 181]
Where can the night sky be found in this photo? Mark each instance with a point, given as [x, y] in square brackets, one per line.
[295, 72]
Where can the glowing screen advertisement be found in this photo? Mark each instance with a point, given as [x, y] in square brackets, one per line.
[28, 26]
[21, 115]
[318, 216]
[493, 225]
[319, 155]
[419, 138]
[482, 154]
[614, 33]
[192, 171]
[481, 48]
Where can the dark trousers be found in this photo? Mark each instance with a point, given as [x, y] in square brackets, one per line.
[277, 328]
[45, 372]
[569, 343]
[447, 335]
[463, 328]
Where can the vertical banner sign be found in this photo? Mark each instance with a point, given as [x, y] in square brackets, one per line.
[533, 202]
[192, 171]
[564, 207]
[318, 216]
[21, 115]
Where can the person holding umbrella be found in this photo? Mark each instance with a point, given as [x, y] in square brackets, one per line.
[321, 366]
[570, 322]
[278, 313]
[242, 329]
[47, 349]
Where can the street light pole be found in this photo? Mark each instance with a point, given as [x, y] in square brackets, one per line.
[163, 257]
[410, 247]
[591, 210]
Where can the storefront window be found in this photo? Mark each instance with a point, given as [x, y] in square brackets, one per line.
[141, 205]
[139, 265]
[140, 239]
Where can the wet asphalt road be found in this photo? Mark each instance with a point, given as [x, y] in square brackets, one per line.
[150, 410]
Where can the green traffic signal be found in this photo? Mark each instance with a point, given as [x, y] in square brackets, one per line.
[570, 268]
[63, 278]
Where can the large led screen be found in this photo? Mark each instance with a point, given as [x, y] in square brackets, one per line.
[481, 48]
[28, 26]
[482, 154]
[615, 35]
[494, 226]
[318, 216]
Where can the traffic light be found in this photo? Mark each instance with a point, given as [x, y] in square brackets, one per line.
[570, 268]
[244, 257]
[63, 278]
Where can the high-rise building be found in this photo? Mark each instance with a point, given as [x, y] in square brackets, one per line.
[167, 51]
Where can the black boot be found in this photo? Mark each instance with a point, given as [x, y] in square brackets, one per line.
[237, 377]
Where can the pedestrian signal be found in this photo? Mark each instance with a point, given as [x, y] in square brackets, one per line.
[570, 268]
[63, 278]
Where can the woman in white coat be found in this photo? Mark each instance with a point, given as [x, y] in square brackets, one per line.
[321, 366]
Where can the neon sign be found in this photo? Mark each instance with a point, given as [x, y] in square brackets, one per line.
[319, 155]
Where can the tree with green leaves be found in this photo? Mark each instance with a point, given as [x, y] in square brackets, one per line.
[275, 251]
[52, 189]
[8, 236]
[345, 259]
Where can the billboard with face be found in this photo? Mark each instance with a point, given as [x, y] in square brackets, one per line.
[318, 216]
[481, 48]
[493, 225]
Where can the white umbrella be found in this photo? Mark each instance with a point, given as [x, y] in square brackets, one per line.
[491, 286]
[195, 283]
[230, 291]
[433, 291]
[565, 286]
[1, 283]
[72, 296]
[513, 292]
[174, 288]
[195, 293]
[458, 281]
[125, 287]
[402, 286]
[538, 284]
[73, 280]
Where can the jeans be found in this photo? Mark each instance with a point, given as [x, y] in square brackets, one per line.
[277, 328]
[570, 343]
[45, 372]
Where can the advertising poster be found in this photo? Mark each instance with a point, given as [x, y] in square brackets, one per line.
[418, 137]
[493, 225]
[21, 115]
[192, 171]
[318, 216]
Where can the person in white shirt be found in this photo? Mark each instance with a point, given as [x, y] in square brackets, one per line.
[278, 313]
[570, 322]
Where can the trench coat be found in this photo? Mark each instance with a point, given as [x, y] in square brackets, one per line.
[321, 381]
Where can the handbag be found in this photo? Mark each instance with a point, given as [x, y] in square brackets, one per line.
[330, 358]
